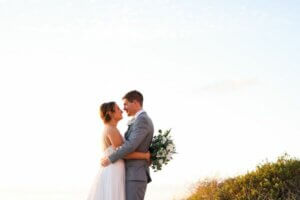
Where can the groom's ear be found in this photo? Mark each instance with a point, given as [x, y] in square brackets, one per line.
[136, 102]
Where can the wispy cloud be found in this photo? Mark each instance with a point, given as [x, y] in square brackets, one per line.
[229, 85]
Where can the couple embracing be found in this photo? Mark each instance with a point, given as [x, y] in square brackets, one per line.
[124, 172]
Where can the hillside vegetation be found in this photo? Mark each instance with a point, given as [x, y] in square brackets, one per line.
[279, 180]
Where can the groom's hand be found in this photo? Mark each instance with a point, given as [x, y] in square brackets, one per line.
[105, 162]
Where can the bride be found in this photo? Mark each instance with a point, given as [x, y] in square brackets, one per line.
[109, 183]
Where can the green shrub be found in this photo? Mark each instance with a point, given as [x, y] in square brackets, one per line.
[270, 181]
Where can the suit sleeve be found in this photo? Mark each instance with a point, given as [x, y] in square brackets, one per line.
[138, 134]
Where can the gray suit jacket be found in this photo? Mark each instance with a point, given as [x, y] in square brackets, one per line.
[138, 137]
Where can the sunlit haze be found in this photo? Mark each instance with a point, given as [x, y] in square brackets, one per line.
[224, 75]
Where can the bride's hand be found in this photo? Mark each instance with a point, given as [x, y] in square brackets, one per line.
[105, 162]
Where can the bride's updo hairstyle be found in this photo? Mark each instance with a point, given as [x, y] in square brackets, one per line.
[105, 108]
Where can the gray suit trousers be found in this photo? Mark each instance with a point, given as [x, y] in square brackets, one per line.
[135, 190]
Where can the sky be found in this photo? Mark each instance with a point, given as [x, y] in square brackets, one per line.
[224, 76]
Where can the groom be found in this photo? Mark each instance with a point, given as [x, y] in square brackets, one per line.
[138, 137]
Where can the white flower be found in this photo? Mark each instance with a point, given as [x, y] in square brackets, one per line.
[170, 147]
[161, 161]
[169, 156]
[131, 121]
[165, 152]
[162, 153]
[159, 154]
[164, 139]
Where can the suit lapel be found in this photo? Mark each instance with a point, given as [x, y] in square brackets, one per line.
[127, 132]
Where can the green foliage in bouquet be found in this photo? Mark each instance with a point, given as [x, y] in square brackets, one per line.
[162, 148]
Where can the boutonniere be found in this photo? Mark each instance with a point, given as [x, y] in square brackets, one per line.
[131, 121]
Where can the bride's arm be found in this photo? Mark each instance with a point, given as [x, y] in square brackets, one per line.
[138, 156]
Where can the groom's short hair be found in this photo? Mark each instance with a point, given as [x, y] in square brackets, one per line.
[134, 95]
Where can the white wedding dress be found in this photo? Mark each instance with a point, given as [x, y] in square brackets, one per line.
[109, 183]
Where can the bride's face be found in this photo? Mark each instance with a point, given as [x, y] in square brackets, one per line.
[118, 113]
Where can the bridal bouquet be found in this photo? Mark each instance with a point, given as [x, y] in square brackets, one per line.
[162, 148]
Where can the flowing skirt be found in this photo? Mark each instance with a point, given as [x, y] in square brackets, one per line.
[109, 183]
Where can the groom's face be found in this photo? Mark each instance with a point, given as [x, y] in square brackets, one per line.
[129, 107]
